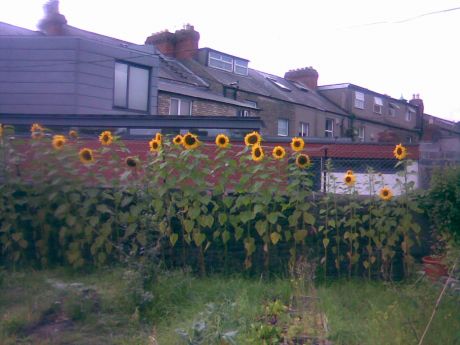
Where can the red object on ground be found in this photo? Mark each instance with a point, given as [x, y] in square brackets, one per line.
[433, 267]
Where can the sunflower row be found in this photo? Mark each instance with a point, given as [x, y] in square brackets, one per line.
[385, 192]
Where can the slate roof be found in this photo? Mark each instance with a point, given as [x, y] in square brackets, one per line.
[13, 30]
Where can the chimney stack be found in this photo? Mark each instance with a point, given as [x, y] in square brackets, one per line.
[183, 44]
[307, 76]
[53, 23]
[418, 102]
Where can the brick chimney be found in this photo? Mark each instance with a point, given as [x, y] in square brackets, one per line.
[183, 44]
[53, 23]
[418, 102]
[307, 76]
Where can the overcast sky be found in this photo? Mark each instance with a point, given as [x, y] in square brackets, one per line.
[395, 47]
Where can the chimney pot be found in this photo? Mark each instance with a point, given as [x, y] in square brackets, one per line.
[307, 76]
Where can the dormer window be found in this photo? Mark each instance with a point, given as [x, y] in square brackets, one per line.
[359, 100]
[378, 105]
[227, 63]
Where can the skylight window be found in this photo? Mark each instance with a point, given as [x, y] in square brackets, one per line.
[277, 83]
[300, 86]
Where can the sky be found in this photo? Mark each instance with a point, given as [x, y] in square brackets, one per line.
[394, 47]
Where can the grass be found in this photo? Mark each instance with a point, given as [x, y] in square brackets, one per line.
[375, 313]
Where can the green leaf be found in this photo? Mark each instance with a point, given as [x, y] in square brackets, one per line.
[141, 238]
[198, 238]
[246, 216]
[308, 218]
[61, 210]
[194, 212]
[275, 237]
[258, 208]
[225, 236]
[325, 242]
[103, 209]
[173, 238]
[249, 245]
[272, 217]
[299, 235]
[188, 225]
[261, 227]
[222, 218]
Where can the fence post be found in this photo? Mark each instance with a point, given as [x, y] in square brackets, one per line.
[323, 167]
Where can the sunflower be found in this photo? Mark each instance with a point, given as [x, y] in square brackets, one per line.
[349, 180]
[37, 131]
[131, 162]
[190, 141]
[222, 141]
[400, 152]
[177, 140]
[86, 156]
[58, 141]
[154, 145]
[349, 172]
[159, 137]
[385, 193]
[1, 130]
[253, 138]
[73, 134]
[106, 138]
[302, 160]
[278, 152]
[297, 144]
[257, 153]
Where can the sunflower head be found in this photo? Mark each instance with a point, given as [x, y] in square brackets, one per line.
[297, 144]
[58, 141]
[1, 130]
[278, 152]
[349, 172]
[222, 141]
[159, 137]
[257, 153]
[302, 161]
[73, 134]
[252, 138]
[37, 131]
[177, 140]
[349, 180]
[86, 156]
[385, 193]
[131, 162]
[400, 152]
[106, 138]
[190, 141]
[154, 145]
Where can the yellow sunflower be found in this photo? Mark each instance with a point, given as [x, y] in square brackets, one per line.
[177, 140]
[154, 145]
[86, 155]
[222, 141]
[297, 144]
[73, 134]
[252, 138]
[349, 172]
[37, 131]
[385, 193]
[190, 141]
[58, 141]
[278, 152]
[400, 152]
[257, 153]
[1, 130]
[131, 162]
[106, 138]
[159, 137]
[349, 180]
[302, 160]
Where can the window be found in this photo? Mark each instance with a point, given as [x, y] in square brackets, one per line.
[361, 134]
[283, 127]
[304, 130]
[230, 92]
[131, 86]
[243, 113]
[359, 100]
[329, 129]
[409, 139]
[220, 61]
[277, 83]
[392, 109]
[378, 105]
[252, 103]
[410, 114]
[241, 67]
[180, 106]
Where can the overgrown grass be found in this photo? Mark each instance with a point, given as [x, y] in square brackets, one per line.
[376, 313]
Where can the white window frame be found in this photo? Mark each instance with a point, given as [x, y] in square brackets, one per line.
[126, 102]
[378, 105]
[304, 130]
[180, 101]
[240, 67]
[220, 61]
[329, 131]
[359, 100]
[392, 109]
[361, 134]
[409, 114]
[283, 132]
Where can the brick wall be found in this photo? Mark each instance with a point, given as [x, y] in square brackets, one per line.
[199, 107]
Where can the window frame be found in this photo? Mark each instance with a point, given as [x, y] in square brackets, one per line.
[378, 105]
[286, 121]
[361, 134]
[359, 103]
[409, 113]
[179, 104]
[326, 130]
[126, 105]
[302, 132]
[220, 58]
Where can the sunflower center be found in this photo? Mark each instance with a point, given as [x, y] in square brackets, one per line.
[399, 151]
[385, 193]
[257, 152]
[155, 145]
[297, 143]
[348, 179]
[222, 141]
[131, 162]
[252, 139]
[278, 152]
[86, 155]
[302, 160]
[189, 140]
